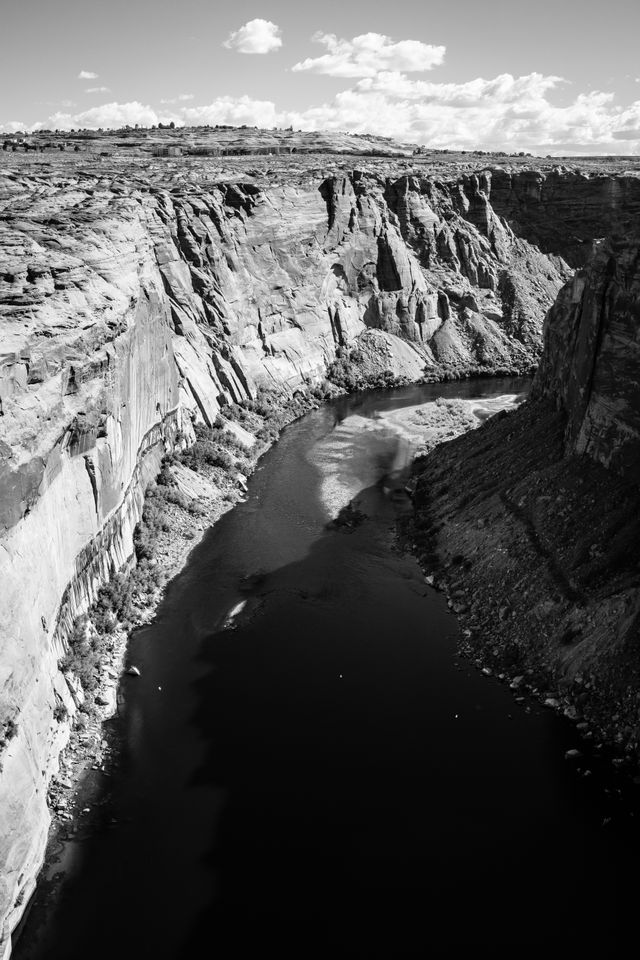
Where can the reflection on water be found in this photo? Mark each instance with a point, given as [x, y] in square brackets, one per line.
[366, 445]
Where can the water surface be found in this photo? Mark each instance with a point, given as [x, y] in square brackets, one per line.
[306, 768]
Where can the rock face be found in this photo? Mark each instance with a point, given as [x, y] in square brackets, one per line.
[132, 306]
[540, 534]
[592, 357]
[562, 211]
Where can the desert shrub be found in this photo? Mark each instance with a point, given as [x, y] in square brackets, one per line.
[347, 372]
[266, 401]
[267, 433]
[207, 453]
[319, 392]
[203, 432]
[9, 731]
[60, 712]
[165, 477]
[245, 467]
[82, 659]
[142, 543]
[178, 498]
[342, 374]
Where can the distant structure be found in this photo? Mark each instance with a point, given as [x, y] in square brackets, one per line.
[169, 151]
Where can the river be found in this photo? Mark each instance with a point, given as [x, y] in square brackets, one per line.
[305, 765]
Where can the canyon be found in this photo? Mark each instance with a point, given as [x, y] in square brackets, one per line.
[141, 299]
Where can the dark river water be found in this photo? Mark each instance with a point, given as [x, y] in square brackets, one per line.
[315, 773]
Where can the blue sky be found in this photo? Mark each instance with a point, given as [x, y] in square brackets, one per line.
[549, 77]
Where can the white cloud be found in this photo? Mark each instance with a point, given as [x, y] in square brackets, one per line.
[181, 98]
[106, 115]
[629, 125]
[235, 111]
[500, 113]
[501, 89]
[97, 90]
[87, 75]
[13, 126]
[256, 36]
[369, 53]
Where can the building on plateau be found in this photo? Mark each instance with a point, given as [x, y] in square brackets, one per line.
[167, 151]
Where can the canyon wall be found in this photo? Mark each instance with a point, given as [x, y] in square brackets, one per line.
[538, 540]
[133, 306]
[562, 211]
[591, 357]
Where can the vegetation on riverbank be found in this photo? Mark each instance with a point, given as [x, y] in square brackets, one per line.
[195, 485]
[350, 372]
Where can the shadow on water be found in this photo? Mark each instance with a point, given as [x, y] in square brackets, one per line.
[379, 801]
[306, 767]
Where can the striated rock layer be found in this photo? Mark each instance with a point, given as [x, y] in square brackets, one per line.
[562, 211]
[591, 361]
[538, 540]
[133, 306]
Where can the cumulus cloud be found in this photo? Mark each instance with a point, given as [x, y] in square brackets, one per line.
[369, 53]
[181, 98]
[629, 126]
[97, 90]
[13, 126]
[87, 75]
[502, 113]
[235, 111]
[501, 89]
[106, 115]
[256, 36]
[499, 113]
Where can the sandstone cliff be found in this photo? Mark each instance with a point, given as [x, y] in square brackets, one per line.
[592, 357]
[133, 305]
[538, 540]
[562, 211]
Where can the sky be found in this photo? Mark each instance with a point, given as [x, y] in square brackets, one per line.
[550, 77]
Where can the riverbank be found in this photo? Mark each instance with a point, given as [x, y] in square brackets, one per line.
[537, 554]
[197, 485]
[300, 705]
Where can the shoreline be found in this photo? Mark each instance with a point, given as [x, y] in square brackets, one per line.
[426, 428]
[90, 756]
[496, 542]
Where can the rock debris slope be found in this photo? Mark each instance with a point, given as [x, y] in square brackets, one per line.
[538, 541]
[133, 304]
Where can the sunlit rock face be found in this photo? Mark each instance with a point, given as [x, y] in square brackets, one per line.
[468, 293]
[132, 306]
